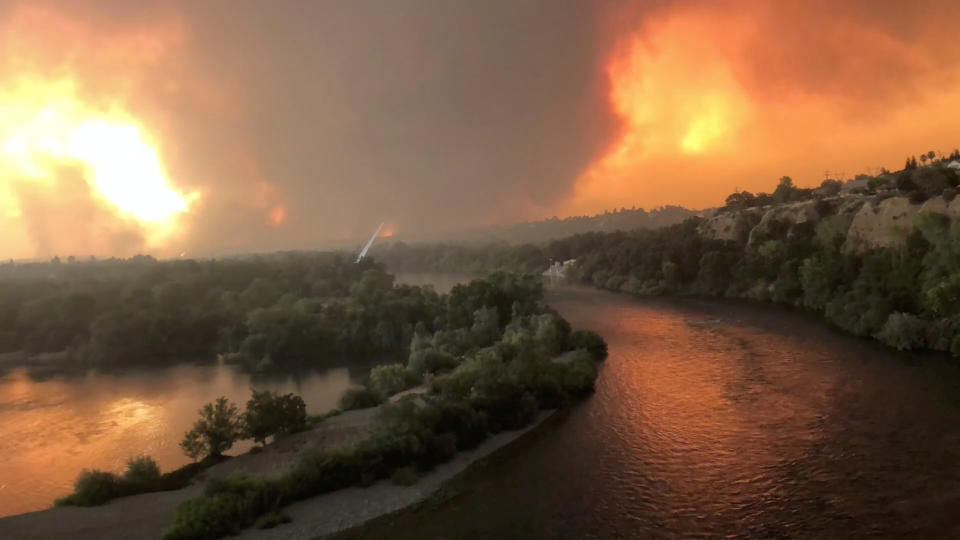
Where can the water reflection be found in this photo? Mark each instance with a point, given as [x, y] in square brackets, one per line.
[767, 425]
[53, 427]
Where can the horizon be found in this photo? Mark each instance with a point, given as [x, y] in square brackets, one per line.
[171, 127]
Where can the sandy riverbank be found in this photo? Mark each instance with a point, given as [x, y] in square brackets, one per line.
[145, 516]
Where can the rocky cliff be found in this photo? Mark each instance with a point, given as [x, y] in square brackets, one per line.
[869, 221]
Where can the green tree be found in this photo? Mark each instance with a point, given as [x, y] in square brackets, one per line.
[271, 414]
[219, 426]
[390, 379]
[785, 191]
[831, 187]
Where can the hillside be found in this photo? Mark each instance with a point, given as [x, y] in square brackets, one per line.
[624, 219]
[878, 256]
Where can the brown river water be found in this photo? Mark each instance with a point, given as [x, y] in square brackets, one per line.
[719, 419]
[711, 419]
[54, 425]
[51, 428]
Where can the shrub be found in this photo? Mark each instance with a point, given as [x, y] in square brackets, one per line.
[590, 341]
[93, 488]
[228, 506]
[430, 361]
[391, 379]
[902, 331]
[579, 374]
[404, 476]
[270, 414]
[507, 404]
[142, 472]
[321, 472]
[215, 432]
[458, 417]
[360, 397]
[949, 194]
[437, 449]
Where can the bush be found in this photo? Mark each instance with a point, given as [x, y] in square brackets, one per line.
[949, 194]
[360, 397]
[270, 414]
[93, 488]
[590, 341]
[507, 405]
[458, 417]
[903, 331]
[437, 449]
[142, 472]
[391, 379]
[579, 374]
[321, 472]
[228, 506]
[430, 361]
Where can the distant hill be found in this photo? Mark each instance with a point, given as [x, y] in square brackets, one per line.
[624, 219]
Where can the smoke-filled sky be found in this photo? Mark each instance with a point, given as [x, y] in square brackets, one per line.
[228, 126]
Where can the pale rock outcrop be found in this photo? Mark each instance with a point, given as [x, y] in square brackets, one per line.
[795, 214]
[870, 223]
[886, 224]
[889, 223]
[941, 206]
[734, 225]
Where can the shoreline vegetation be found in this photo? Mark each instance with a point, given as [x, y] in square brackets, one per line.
[877, 256]
[493, 360]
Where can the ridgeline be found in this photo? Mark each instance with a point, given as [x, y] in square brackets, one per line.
[877, 256]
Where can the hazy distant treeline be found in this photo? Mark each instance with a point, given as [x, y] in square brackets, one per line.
[283, 309]
[622, 219]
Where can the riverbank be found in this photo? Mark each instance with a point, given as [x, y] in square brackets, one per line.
[766, 424]
[145, 516]
[326, 515]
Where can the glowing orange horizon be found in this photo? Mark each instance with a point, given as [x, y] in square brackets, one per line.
[46, 127]
[700, 120]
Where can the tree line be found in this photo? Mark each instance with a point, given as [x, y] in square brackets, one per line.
[907, 297]
[281, 310]
[492, 358]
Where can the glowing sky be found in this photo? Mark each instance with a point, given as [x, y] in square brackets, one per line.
[212, 127]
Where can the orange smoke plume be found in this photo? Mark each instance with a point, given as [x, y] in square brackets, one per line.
[718, 95]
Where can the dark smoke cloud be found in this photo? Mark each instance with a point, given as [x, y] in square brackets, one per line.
[307, 123]
[430, 115]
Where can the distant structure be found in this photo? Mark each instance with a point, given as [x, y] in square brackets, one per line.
[559, 269]
[363, 252]
[954, 165]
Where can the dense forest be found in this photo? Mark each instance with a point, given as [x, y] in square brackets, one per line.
[496, 356]
[279, 310]
[906, 296]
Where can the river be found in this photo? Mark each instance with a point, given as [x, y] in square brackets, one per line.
[712, 418]
[718, 419]
[53, 427]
